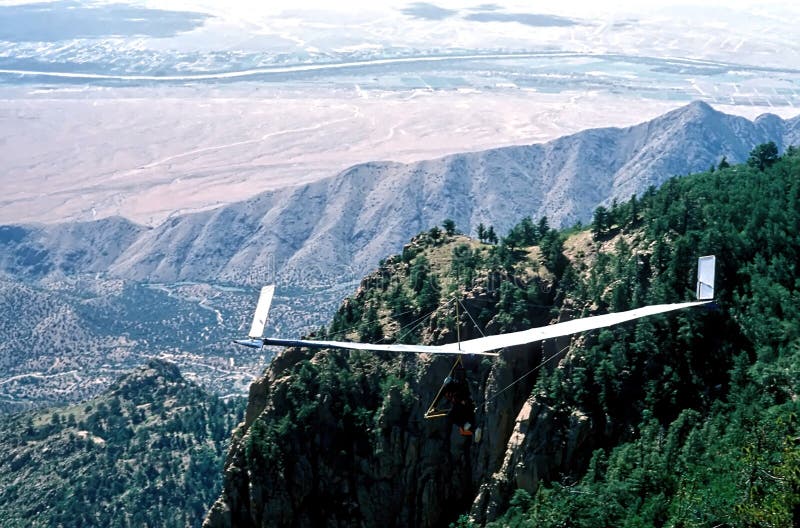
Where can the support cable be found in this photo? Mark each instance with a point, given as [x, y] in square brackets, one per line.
[537, 367]
[432, 412]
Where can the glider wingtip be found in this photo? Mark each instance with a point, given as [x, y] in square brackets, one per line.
[249, 343]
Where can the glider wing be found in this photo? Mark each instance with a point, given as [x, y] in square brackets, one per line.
[395, 347]
[484, 344]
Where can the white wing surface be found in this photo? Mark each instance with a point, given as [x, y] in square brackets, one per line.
[575, 326]
[706, 267]
[349, 345]
[262, 310]
[484, 345]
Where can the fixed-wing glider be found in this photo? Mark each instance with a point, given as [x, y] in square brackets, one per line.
[486, 346]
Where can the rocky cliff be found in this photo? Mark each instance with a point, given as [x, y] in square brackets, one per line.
[340, 439]
[681, 419]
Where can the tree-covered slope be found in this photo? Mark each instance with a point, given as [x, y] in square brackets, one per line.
[715, 439]
[147, 452]
[685, 419]
[338, 439]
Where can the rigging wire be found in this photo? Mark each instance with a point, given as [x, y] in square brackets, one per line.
[344, 331]
[474, 322]
[537, 367]
[534, 369]
[419, 321]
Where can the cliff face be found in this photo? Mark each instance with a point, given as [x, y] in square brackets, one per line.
[393, 469]
[340, 439]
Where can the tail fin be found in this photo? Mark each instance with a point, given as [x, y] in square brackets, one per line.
[705, 277]
[262, 310]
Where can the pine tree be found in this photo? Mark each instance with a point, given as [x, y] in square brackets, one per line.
[419, 272]
[481, 232]
[370, 330]
[763, 156]
[491, 236]
[600, 222]
[429, 294]
[543, 227]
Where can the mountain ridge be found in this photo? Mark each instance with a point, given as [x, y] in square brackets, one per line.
[350, 220]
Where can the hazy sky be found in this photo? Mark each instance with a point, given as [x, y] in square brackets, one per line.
[617, 26]
[577, 8]
[249, 9]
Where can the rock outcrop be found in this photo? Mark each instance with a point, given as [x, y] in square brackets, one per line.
[339, 439]
[410, 471]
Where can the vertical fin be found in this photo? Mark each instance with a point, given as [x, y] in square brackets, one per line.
[706, 267]
[262, 310]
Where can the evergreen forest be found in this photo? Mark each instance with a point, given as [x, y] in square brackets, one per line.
[693, 416]
[147, 452]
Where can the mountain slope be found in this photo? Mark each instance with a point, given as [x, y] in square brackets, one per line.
[342, 226]
[146, 452]
[339, 227]
[66, 340]
[65, 249]
[680, 419]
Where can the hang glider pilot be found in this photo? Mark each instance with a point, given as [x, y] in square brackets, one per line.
[462, 410]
